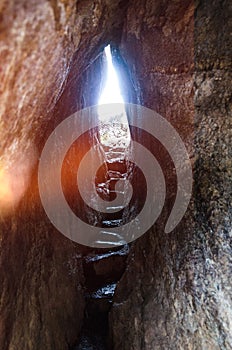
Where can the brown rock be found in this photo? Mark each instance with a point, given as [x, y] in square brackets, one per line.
[44, 47]
[176, 291]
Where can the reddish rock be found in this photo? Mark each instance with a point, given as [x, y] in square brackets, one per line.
[176, 291]
[45, 47]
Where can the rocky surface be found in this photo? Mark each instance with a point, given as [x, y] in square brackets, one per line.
[45, 47]
[176, 292]
[102, 270]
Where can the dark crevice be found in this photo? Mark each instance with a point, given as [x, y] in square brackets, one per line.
[103, 268]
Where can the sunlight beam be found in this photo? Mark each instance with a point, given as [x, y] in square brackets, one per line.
[114, 130]
[111, 92]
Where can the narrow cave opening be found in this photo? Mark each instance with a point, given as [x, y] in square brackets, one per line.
[176, 290]
[103, 268]
[114, 131]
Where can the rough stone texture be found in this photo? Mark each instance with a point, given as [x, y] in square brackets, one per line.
[45, 46]
[104, 268]
[176, 292]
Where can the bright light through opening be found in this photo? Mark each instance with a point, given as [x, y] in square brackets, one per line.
[111, 92]
[114, 129]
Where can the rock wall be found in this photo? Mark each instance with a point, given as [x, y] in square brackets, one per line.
[45, 47]
[176, 291]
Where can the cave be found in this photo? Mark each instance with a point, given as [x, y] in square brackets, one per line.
[159, 289]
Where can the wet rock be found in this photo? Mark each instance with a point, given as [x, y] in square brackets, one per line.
[94, 333]
[90, 343]
[104, 268]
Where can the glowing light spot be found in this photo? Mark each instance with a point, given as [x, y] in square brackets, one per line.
[14, 180]
[111, 93]
[114, 130]
[5, 188]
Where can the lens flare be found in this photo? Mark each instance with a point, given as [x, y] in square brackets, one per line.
[14, 180]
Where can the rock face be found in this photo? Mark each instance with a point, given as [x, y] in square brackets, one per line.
[175, 58]
[45, 47]
[176, 292]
